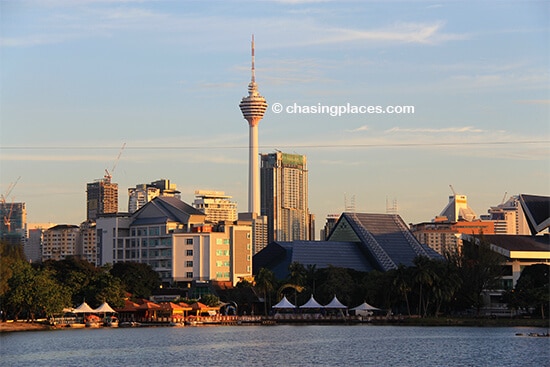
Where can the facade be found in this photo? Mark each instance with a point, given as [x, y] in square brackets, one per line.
[60, 242]
[217, 206]
[86, 245]
[172, 237]
[284, 194]
[509, 217]
[143, 193]
[444, 236]
[101, 198]
[13, 223]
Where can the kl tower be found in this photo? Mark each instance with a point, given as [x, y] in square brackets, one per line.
[253, 108]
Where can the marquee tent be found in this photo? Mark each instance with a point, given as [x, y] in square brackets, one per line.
[284, 303]
[83, 308]
[312, 303]
[104, 308]
[335, 303]
[365, 309]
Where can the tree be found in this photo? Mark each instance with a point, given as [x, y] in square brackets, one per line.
[138, 278]
[424, 276]
[479, 268]
[265, 282]
[210, 300]
[402, 282]
[532, 289]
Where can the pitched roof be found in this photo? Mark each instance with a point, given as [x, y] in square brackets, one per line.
[164, 208]
[537, 211]
[359, 241]
[385, 238]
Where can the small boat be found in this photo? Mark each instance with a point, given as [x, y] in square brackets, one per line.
[93, 321]
[110, 321]
[129, 324]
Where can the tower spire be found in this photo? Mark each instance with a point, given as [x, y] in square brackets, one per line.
[253, 108]
[253, 68]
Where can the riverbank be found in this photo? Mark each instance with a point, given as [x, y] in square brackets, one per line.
[10, 326]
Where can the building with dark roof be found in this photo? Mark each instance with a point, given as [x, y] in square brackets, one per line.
[537, 210]
[359, 241]
[175, 240]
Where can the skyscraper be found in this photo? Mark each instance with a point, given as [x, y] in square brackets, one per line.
[101, 198]
[253, 108]
[284, 193]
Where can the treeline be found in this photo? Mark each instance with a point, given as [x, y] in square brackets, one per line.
[430, 287]
[40, 290]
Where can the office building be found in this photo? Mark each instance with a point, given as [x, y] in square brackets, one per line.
[284, 196]
[509, 217]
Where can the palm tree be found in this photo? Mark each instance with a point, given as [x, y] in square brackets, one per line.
[402, 283]
[265, 281]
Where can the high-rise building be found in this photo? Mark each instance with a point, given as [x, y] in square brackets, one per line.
[13, 222]
[102, 198]
[143, 193]
[284, 193]
[217, 206]
[253, 108]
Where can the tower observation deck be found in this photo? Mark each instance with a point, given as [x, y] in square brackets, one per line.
[253, 108]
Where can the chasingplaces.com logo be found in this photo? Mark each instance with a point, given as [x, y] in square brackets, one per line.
[339, 110]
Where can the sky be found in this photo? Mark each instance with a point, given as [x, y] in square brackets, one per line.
[81, 79]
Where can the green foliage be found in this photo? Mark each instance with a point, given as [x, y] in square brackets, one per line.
[137, 278]
[532, 290]
[210, 300]
[265, 283]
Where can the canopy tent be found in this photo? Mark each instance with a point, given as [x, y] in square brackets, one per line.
[104, 308]
[312, 303]
[335, 303]
[365, 309]
[284, 303]
[83, 308]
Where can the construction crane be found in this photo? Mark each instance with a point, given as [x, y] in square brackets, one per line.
[109, 175]
[504, 197]
[452, 189]
[8, 211]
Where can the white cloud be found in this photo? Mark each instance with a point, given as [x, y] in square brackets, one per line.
[463, 129]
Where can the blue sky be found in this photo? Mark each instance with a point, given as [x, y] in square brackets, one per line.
[78, 79]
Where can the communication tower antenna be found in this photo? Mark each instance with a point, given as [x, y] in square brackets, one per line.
[351, 206]
[393, 209]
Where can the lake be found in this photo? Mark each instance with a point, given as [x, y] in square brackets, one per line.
[280, 345]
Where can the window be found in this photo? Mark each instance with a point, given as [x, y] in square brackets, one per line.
[189, 252]
[189, 264]
[189, 241]
[189, 274]
[248, 235]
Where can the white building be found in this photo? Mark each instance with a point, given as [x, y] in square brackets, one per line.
[509, 217]
[171, 236]
[217, 206]
[59, 242]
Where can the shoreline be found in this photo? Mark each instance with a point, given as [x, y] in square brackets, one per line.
[21, 326]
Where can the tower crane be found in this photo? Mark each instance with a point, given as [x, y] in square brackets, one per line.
[109, 175]
[452, 189]
[8, 211]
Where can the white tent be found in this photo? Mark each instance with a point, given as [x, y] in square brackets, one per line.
[335, 303]
[83, 308]
[104, 308]
[284, 303]
[364, 309]
[312, 303]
